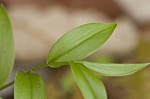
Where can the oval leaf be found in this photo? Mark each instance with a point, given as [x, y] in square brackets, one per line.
[7, 54]
[90, 85]
[79, 43]
[29, 86]
[115, 69]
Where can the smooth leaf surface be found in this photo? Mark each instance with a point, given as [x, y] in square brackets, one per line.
[79, 43]
[115, 69]
[90, 85]
[7, 54]
[29, 86]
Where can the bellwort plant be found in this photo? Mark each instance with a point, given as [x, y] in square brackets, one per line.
[71, 49]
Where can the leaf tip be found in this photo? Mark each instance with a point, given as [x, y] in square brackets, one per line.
[114, 25]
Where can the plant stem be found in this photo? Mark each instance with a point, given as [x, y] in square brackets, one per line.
[37, 68]
[7, 85]
[32, 70]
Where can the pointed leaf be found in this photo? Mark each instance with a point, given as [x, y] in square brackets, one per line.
[90, 85]
[115, 69]
[79, 43]
[6, 47]
[29, 86]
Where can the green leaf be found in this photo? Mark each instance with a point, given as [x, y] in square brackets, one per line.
[7, 54]
[79, 43]
[115, 69]
[90, 85]
[29, 86]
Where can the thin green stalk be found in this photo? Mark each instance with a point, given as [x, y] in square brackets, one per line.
[37, 67]
[32, 70]
[7, 85]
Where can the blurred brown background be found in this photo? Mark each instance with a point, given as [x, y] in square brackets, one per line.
[37, 24]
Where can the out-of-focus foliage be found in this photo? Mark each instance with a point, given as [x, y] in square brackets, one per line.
[7, 53]
[129, 87]
[143, 50]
